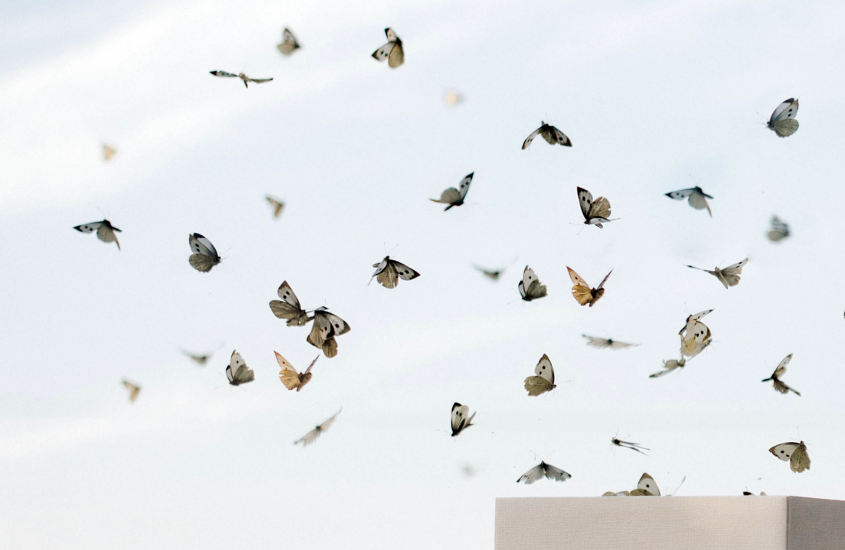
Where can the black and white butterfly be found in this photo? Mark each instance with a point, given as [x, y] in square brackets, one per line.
[288, 307]
[551, 134]
[697, 198]
[312, 436]
[388, 272]
[596, 212]
[779, 230]
[288, 44]
[728, 276]
[543, 470]
[795, 453]
[242, 76]
[326, 327]
[782, 122]
[460, 418]
[237, 372]
[780, 371]
[105, 231]
[695, 335]
[543, 379]
[530, 287]
[204, 255]
[392, 51]
[455, 197]
[596, 342]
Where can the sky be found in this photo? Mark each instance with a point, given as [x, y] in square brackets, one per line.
[656, 96]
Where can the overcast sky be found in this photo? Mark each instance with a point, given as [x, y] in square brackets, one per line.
[655, 96]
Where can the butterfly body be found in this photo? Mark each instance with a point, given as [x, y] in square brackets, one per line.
[237, 372]
[326, 327]
[292, 379]
[393, 51]
[582, 291]
[775, 377]
[548, 132]
[782, 122]
[105, 231]
[728, 276]
[543, 470]
[455, 197]
[794, 453]
[204, 255]
[460, 418]
[530, 287]
[288, 45]
[246, 80]
[288, 307]
[695, 196]
[543, 380]
[388, 272]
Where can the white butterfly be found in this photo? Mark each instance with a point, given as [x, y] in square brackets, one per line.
[312, 436]
[728, 276]
[388, 272]
[551, 134]
[288, 307]
[669, 365]
[695, 335]
[628, 445]
[596, 342]
[460, 422]
[326, 327]
[780, 371]
[544, 380]
[530, 287]
[795, 453]
[596, 212]
[782, 122]
[105, 231]
[540, 470]
[455, 197]
[237, 372]
[277, 205]
[242, 76]
[647, 487]
[392, 51]
[108, 152]
[204, 255]
[779, 230]
[697, 198]
[290, 377]
[288, 44]
[134, 390]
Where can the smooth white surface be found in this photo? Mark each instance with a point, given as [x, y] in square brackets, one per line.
[648, 92]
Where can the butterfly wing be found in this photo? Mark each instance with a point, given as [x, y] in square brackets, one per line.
[459, 418]
[648, 484]
[463, 187]
[580, 289]
[599, 209]
[698, 200]
[680, 194]
[403, 271]
[784, 450]
[596, 342]
[396, 56]
[530, 138]
[730, 275]
[106, 233]
[309, 438]
[800, 460]
[558, 137]
[554, 473]
[288, 375]
[450, 196]
[585, 200]
[544, 369]
[258, 80]
[533, 474]
[223, 74]
[537, 385]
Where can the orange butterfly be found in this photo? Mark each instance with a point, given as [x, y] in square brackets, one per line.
[290, 377]
[582, 291]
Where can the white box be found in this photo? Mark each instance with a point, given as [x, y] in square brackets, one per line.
[670, 523]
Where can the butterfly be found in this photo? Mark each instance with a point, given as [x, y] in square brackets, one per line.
[288, 375]
[596, 211]
[750, 494]
[289, 308]
[134, 390]
[326, 327]
[200, 359]
[596, 342]
[695, 335]
[551, 134]
[540, 470]
[392, 51]
[388, 272]
[795, 453]
[454, 197]
[530, 287]
[277, 205]
[237, 372]
[453, 98]
[728, 276]
[242, 76]
[779, 230]
[312, 436]
[669, 365]
[105, 231]
[629, 445]
[460, 422]
[780, 371]
[582, 291]
[205, 255]
[697, 198]
[782, 122]
[646, 487]
[288, 44]
[108, 152]
[492, 274]
[544, 380]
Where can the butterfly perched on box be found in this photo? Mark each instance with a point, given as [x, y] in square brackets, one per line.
[543, 470]
[204, 255]
[105, 231]
[548, 132]
[646, 487]
[288, 307]
[237, 372]
[460, 418]
[794, 453]
[782, 122]
[695, 196]
[312, 436]
[289, 376]
[455, 197]
[288, 45]
[582, 291]
[326, 327]
[596, 212]
[388, 272]
[392, 51]
[530, 287]
[778, 384]
[728, 276]
[543, 379]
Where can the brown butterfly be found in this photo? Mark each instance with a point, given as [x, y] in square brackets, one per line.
[582, 291]
[134, 390]
[277, 205]
[108, 152]
[290, 378]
